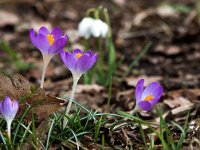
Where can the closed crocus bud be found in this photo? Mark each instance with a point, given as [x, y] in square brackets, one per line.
[8, 109]
[99, 28]
[148, 97]
[84, 27]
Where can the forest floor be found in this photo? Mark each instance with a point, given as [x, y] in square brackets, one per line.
[173, 29]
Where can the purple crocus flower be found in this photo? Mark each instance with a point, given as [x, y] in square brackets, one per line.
[49, 43]
[8, 109]
[78, 62]
[147, 98]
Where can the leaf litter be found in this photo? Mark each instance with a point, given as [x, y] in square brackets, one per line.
[173, 60]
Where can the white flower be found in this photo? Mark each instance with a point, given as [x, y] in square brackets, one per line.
[85, 26]
[99, 28]
[89, 26]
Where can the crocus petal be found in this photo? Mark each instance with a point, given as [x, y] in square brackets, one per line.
[48, 44]
[7, 105]
[68, 60]
[93, 60]
[83, 64]
[57, 46]
[42, 43]
[33, 37]
[15, 107]
[150, 89]
[139, 90]
[78, 62]
[145, 105]
[158, 93]
[1, 106]
[43, 30]
[89, 52]
[154, 101]
[76, 51]
[8, 109]
[56, 32]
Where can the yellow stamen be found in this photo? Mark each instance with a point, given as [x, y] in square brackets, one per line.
[78, 55]
[50, 39]
[149, 97]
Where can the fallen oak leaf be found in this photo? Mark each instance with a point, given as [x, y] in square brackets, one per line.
[8, 18]
[181, 109]
[14, 87]
[42, 105]
[19, 88]
[39, 104]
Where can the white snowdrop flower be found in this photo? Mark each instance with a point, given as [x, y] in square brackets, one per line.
[99, 28]
[84, 27]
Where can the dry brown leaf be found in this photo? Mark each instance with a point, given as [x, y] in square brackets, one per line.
[119, 3]
[179, 101]
[170, 50]
[166, 11]
[89, 88]
[125, 99]
[181, 109]
[132, 81]
[8, 18]
[139, 17]
[42, 105]
[15, 87]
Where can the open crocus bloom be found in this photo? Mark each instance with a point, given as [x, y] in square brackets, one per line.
[147, 98]
[78, 62]
[9, 109]
[49, 43]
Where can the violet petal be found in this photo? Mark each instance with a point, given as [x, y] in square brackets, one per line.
[139, 90]
[150, 89]
[83, 64]
[145, 105]
[56, 32]
[43, 30]
[57, 46]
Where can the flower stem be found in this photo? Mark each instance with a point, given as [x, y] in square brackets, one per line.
[74, 86]
[46, 60]
[44, 68]
[133, 111]
[124, 123]
[9, 131]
